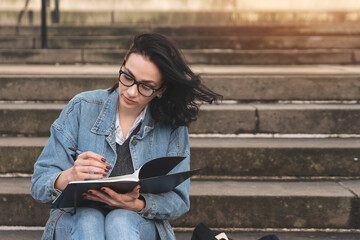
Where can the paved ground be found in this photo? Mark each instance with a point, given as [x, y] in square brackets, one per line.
[36, 234]
[286, 236]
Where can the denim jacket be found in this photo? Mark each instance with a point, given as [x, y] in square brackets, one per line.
[88, 123]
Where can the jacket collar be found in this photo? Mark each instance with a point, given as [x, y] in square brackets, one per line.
[147, 124]
[105, 123]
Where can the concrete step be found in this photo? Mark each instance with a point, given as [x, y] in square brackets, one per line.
[184, 17]
[202, 56]
[36, 118]
[242, 30]
[23, 42]
[21, 233]
[34, 233]
[232, 204]
[238, 70]
[64, 87]
[240, 87]
[187, 42]
[271, 157]
[233, 157]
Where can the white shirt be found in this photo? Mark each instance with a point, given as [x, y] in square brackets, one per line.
[118, 131]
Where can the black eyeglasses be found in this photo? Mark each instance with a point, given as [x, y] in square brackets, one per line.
[129, 81]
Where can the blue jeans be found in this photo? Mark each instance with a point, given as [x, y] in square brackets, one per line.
[90, 223]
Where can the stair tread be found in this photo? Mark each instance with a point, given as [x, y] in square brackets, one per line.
[36, 118]
[277, 204]
[344, 188]
[203, 56]
[233, 157]
[217, 69]
[223, 141]
[211, 107]
[294, 85]
[329, 29]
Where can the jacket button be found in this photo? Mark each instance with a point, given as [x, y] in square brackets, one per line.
[147, 213]
[134, 142]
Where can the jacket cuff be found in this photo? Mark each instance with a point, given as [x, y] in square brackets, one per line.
[150, 208]
[52, 191]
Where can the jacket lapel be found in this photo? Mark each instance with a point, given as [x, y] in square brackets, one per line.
[105, 123]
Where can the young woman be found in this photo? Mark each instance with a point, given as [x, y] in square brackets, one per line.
[144, 116]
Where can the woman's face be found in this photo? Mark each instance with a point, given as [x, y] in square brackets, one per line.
[144, 71]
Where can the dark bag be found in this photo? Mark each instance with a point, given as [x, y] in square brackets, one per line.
[269, 237]
[202, 232]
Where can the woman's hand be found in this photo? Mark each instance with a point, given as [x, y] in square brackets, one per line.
[129, 201]
[88, 165]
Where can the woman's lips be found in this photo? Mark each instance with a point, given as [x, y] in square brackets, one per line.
[128, 101]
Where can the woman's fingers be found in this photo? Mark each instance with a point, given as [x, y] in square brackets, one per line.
[101, 196]
[91, 175]
[93, 156]
[135, 193]
[90, 165]
[96, 196]
[110, 197]
[110, 192]
[91, 168]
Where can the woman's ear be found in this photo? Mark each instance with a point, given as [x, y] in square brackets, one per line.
[160, 92]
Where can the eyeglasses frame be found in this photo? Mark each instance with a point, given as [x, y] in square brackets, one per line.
[137, 84]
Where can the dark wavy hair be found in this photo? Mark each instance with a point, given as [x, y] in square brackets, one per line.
[179, 104]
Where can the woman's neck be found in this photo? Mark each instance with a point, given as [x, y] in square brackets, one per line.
[127, 118]
[129, 113]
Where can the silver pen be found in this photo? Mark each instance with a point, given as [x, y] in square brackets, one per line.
[78, 151]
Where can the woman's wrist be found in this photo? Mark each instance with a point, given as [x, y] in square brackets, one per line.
[63, 180]
[140, 203]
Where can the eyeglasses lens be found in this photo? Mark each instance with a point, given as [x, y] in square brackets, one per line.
[128, 81]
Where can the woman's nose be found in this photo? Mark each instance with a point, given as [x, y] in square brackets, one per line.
[132, 91]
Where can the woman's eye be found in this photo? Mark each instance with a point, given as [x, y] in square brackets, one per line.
[147, 88]
[128, 77]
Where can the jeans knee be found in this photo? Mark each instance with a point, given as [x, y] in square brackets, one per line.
[87, 217]
[122, 217]
[129, 225]
[87, 223]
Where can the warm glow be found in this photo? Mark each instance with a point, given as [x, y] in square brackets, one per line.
[193, 5]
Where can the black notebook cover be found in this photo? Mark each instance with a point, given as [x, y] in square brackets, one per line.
[152, 179]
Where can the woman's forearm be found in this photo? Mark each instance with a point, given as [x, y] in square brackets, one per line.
[63, 180]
